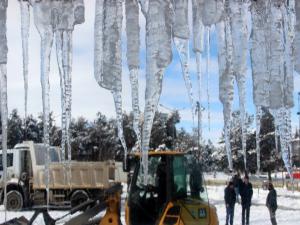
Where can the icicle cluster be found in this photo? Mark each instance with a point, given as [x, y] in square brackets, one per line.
[274, 51]
[273, 65]
[59, 18]
[133, 60]
[3, 92]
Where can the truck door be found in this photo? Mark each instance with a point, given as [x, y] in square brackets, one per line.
[26, 163]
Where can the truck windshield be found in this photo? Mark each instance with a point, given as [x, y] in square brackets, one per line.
[9, 160]
[40, 153]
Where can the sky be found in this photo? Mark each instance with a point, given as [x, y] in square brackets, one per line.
[89, 98]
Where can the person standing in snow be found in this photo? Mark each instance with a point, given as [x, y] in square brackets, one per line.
[230, 199]
[271, 203]
[246, 193]
[237, 182]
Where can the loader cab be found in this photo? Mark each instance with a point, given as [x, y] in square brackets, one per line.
[173, 177]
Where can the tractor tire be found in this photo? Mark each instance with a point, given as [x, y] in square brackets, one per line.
[78, 197]
[14, 201]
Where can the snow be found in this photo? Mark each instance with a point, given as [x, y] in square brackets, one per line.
[287, 213]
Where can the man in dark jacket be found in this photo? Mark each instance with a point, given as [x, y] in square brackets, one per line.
[246, 193]
[237, 182]
[230, 199]
[271, 203]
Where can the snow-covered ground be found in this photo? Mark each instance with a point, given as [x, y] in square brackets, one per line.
[287, 214]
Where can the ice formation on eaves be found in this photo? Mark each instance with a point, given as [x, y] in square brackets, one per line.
[3, 91]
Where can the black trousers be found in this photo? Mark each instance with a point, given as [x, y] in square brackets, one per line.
[229, 215]
[245, 215]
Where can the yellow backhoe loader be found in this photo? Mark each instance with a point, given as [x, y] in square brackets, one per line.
[174, 195]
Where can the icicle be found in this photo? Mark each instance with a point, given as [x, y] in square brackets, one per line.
[212, 11]
[239, 29]
[65, 16]
[182, 46]
[297, 37]
[158, 57]
[281, 118]
[144, 6]
[208, 75]
[3, 96]
[42, 18]
[198, 48]
[4, 121]
[25, 26]
[181, 36]
[226, 80]
[258, 125]
[133, 50]
[260, 53]
[108, 54]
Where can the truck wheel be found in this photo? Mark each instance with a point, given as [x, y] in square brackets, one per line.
[14, 201]
[78, 197]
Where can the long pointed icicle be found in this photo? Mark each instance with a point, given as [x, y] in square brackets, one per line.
[208, 74]
[198, 48]
[181, 36]
[3, 95]
[158, 57]
[59, 56]
[25, 26]
[108, 54]
[42, 18]
[226, 81]
[66, 16]
[239, 29]
[258, 125]
[133, 50]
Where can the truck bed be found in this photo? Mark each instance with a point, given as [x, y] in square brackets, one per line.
[84, 175]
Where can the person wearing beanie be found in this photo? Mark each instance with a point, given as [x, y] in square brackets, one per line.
[230, 200]
[246, 193]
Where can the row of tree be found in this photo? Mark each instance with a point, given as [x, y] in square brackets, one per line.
[97, 139]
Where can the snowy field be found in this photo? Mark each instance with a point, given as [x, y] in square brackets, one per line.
[287, 214]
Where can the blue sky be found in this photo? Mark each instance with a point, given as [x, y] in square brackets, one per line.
[89, 98]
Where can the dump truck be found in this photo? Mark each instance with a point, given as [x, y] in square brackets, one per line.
[69, 183]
